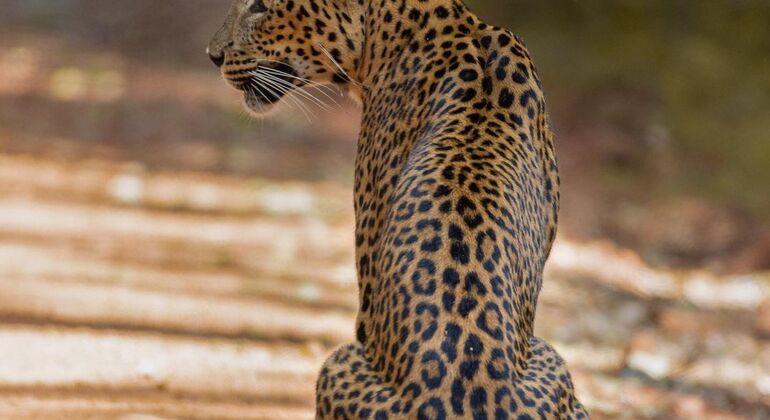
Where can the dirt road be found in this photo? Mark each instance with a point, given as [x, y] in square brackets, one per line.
[132, 295]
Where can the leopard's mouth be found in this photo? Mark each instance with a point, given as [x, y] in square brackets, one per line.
[258, 96]
[265, 85]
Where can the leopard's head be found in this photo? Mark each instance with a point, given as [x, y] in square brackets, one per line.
[269, 48]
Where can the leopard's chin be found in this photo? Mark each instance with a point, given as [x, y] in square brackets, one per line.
[259, 104]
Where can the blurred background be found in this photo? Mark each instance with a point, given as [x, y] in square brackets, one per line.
[163, 254]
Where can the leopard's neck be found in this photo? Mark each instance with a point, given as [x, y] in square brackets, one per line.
[391, 26]
[404, 97]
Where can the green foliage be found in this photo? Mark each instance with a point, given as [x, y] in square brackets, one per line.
[704, 68]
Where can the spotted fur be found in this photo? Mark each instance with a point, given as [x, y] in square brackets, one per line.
[456, 201]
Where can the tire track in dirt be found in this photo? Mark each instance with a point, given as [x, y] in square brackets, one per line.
[150, 374]
[111, 311]
[120, 307]
[68, 267]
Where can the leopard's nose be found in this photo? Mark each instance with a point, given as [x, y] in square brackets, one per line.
[217, 59]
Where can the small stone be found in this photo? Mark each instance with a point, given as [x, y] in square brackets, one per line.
[653, 355]
[690, 407]
[309, 292]
[657, 366]
[763, 385]
[127, 188]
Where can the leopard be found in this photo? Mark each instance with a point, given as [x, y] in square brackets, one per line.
[456, 200]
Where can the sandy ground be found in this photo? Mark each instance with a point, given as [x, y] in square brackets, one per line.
[136, 295]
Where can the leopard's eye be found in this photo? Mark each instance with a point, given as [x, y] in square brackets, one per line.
[258, 6]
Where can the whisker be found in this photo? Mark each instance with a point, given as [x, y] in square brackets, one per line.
[283, 73]
[301, 79]
[280, 85]
[256, 90]
[275, 87]
[329, 97]
[336, 69]
[339, 66]
[274, 80]
[291, 86]
[334, 61]
[309, 82]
